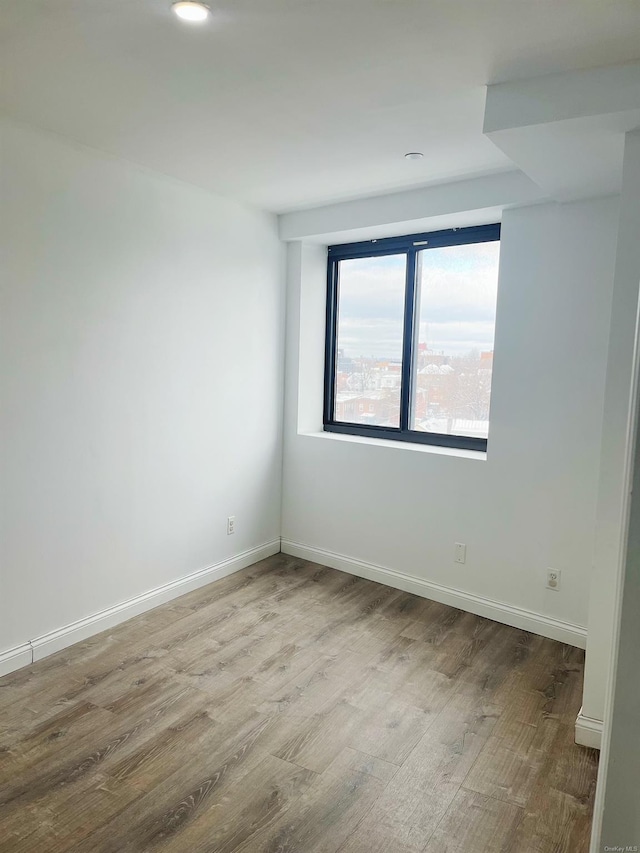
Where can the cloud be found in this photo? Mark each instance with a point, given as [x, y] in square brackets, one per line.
[458, 291]
[373, 288]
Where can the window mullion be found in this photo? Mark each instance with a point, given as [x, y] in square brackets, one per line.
[330, 341]
[407, 341]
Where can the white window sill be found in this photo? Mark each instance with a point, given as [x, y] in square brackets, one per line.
[434, 449]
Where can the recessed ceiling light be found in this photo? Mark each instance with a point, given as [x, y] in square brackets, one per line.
[414, 155]
[191, 10]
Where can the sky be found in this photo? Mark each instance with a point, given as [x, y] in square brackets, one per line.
[458, 290]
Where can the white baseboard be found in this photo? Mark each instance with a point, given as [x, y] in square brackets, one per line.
[47, 644]
[588, 731]
[15, 658]
[518, 617]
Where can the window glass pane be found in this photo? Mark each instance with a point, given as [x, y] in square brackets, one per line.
[369, 340]
[457, 309]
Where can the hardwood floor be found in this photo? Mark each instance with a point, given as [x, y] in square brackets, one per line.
[290, 708]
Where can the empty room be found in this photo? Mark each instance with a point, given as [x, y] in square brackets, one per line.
[320, 523]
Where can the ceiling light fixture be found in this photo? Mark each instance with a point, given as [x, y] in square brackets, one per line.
[414, 155]
[191, 10]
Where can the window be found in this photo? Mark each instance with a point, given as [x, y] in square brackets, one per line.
[410, 329]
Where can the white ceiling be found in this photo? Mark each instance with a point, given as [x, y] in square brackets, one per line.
[291, 103]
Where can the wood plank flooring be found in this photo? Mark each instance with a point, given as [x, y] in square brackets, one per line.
[290, 708]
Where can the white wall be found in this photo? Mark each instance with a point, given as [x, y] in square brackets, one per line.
[411, 211]
[616, 449]
[618, 799]
[141, 359]
[614, 628]
[532, 503]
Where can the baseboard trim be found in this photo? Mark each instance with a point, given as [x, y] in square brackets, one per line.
[15, 658]
[54, 641]
[588, 731]
[518, 617]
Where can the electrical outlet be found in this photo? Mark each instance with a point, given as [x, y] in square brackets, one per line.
[554, 576]
[231, 525]
[460, 553]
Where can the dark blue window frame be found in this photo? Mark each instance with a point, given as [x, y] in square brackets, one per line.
[409, 245]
